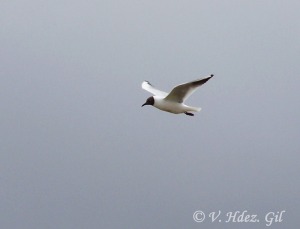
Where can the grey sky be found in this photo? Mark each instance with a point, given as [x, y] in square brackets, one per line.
[78, 151]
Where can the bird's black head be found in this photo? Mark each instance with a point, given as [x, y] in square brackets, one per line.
[150, 101]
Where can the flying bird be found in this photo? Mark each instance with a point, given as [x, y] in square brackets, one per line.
[173, 102]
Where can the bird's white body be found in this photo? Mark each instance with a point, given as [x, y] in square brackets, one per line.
[173, 102]
[171, 106]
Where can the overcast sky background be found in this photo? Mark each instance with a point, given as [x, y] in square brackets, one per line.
[77, 149]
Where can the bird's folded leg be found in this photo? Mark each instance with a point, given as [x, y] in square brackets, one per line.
[188, 113]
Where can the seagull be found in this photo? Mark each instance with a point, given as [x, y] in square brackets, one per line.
[173, 102]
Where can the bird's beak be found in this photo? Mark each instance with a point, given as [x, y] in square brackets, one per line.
[144, 104]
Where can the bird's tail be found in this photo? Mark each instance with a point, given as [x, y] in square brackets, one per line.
[195, 109]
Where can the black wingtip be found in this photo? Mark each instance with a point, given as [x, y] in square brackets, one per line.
[211, 75]
[148, 82]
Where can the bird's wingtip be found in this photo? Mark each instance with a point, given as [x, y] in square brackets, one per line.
[147, 82]
[211, 75]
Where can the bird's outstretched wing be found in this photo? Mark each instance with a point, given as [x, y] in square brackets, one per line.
[148, 87]
[183, 91]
